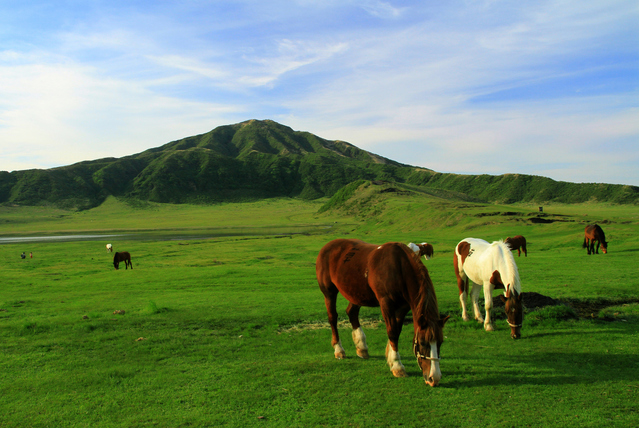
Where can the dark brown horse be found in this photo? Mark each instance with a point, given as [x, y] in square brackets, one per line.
[517, 243]
[122, 257]
[392, 277]
[594, 233]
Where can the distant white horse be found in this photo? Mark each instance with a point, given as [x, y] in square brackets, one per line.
[489, 266]
[109, 248]
[423, 249]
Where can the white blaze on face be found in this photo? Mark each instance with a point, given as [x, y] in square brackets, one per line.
[434, 374]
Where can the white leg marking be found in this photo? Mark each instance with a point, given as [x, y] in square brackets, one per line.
[339, 350]
[392, 358]
[360, 343]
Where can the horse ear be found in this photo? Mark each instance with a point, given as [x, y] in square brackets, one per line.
[442, 321]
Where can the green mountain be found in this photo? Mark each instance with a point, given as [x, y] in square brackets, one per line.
[263, 159]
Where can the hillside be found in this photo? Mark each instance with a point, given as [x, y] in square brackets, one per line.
[262, 159]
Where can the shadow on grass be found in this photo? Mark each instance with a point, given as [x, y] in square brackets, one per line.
[581, 368]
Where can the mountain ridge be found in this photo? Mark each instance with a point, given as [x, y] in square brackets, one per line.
[258, 159]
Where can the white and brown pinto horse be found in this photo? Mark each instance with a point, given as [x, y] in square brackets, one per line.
[109, 248]
[392, 277]
[489, 266]
[424, 249]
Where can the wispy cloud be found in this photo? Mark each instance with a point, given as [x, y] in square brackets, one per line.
[483, 86]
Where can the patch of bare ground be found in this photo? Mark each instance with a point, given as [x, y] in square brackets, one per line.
[318, 325]
[584, 308]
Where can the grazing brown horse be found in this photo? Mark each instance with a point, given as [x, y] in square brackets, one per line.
[122, 257]
[392, 277]
[594, 233]
[517, 243]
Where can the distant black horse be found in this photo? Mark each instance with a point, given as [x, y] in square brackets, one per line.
[122, 257]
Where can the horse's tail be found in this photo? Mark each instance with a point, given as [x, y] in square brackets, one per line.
[585, 245]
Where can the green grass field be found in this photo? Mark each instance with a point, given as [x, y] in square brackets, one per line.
[231, 330]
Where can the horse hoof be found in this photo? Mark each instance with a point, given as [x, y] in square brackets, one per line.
[489, 327]
[340, 355]
[362, 353]
[399, 373]
[466, 318]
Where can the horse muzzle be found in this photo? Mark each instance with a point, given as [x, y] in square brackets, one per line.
[432, 380]
[515, 333]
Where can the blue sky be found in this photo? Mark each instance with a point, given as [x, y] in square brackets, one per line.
[547, 88]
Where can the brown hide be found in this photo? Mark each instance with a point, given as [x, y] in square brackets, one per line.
[463, 248]
[495, 280]
[517, 243]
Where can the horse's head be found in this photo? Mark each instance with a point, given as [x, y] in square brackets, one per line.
[424, 249]
[426, 346]
[514, 311]
[604, 247]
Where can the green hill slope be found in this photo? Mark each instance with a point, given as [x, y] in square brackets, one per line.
[263, 159]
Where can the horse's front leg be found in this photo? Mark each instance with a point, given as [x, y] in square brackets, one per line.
[359, 338]
[488, 305]
[392, 350]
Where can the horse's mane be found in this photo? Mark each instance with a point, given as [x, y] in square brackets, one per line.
[602, 238]
[426, 307]
[512, 277]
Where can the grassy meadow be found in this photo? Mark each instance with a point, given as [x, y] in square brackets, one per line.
[224, 324]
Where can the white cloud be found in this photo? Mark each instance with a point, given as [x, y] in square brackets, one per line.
[471, 88]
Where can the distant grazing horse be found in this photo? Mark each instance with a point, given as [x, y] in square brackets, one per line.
[122, 257]
[109, 248]
[594, 233]
[423, 249]
[489, 266]
[517, 243]
[390, 276]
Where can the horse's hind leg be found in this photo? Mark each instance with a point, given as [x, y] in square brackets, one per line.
[474, 294]
[330, 298]
[462, 284]
[359, 338]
